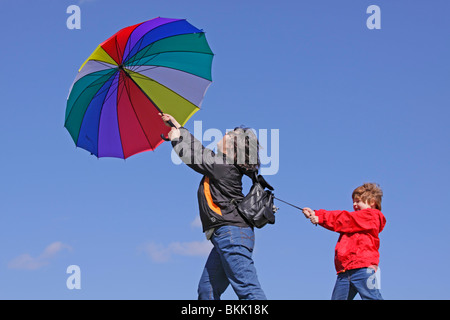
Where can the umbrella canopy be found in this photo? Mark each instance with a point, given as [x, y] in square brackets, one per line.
[161, 65]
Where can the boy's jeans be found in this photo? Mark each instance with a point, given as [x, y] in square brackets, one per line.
[230, 262]
[363, 281]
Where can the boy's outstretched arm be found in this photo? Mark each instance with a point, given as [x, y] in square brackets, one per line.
[344, 221]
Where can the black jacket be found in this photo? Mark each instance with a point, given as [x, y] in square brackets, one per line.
[221, 183]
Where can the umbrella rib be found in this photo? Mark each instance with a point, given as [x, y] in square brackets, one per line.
[142, 36]
[102, 63]
[165, 66]
[94, 83]
[119, 53]
[84, 115]
[139, 43]
[106, 89]
[153, 56]
[130, 63]
[107, 97]
[101, 110]
[140, 124]
[110, 95]
[119, 95]
[134, 58]
[140, 76]
[137, 67]
[101, 91]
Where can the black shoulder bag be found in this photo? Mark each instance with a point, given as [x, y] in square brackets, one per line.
[257, 206]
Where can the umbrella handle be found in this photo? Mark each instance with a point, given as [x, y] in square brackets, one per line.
[164, 138]
[172, 125]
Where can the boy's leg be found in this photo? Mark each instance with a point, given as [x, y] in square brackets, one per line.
[213, 281]
[342, 288]
[366, 283]
[235, 246]
[352, 292]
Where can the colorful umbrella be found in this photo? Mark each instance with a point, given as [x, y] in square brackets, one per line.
[161, 65]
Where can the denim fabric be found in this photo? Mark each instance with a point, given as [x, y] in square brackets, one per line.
[363, 281]
[230, 262]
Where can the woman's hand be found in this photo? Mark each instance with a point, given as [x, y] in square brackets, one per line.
[174, 132]
[167, 117]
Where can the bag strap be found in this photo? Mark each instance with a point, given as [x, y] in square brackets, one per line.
[252, 175]
[257, 178]
[264, 183]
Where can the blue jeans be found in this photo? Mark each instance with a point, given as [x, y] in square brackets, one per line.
[363, 281]
[230, 262]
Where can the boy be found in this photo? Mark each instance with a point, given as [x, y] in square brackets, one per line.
[356, 253]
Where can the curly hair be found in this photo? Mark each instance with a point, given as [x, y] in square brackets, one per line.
[369, 192]
[243, 148]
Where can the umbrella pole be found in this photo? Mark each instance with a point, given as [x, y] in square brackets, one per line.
[160, 111]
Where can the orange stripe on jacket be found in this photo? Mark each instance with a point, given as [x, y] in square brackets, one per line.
[214, 207]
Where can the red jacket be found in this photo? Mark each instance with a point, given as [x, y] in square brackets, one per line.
[358, 242]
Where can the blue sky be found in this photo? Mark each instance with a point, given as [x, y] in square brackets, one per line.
[351, 105]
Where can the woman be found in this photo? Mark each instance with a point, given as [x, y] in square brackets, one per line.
[230, 260]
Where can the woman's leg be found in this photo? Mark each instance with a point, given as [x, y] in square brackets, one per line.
[213, 281]
[235, 247]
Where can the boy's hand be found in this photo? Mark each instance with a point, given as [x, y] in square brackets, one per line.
[308, 212]
[311, 215]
